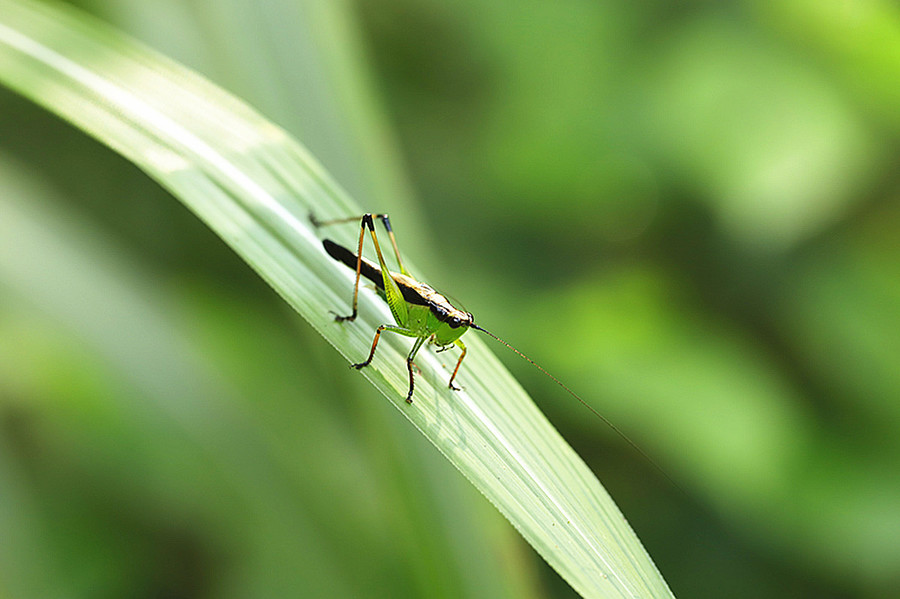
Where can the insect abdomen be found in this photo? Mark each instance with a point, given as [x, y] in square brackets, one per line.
[342, 254]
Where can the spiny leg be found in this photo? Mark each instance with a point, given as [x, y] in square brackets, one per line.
[367, 220]
[409, 359]
[385, 220]
[392, 293]
[363, 222]
[362, 231]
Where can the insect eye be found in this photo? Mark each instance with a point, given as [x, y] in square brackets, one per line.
[454, 321]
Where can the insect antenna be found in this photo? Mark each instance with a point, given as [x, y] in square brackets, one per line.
[605, 420]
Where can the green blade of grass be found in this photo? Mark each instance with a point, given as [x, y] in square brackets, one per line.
[255, 187]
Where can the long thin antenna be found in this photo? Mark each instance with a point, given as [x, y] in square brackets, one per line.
[584, 403]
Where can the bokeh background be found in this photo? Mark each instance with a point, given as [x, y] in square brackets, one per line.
[687, 211]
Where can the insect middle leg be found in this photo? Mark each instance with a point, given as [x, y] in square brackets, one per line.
[409, 359]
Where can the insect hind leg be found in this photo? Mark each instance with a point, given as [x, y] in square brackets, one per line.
[383, 217]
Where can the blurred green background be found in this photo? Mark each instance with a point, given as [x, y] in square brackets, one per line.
[688, 212]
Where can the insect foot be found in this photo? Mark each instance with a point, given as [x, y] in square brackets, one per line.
[339, 318]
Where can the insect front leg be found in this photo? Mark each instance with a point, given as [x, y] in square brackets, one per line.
[461, 346]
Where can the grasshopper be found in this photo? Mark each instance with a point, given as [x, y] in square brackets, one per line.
[419, 311]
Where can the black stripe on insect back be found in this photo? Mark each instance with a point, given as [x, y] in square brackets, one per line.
[342, 254]
[373, 273]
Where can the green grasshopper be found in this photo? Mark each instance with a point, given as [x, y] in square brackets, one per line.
[421, 312]
[418, 309]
